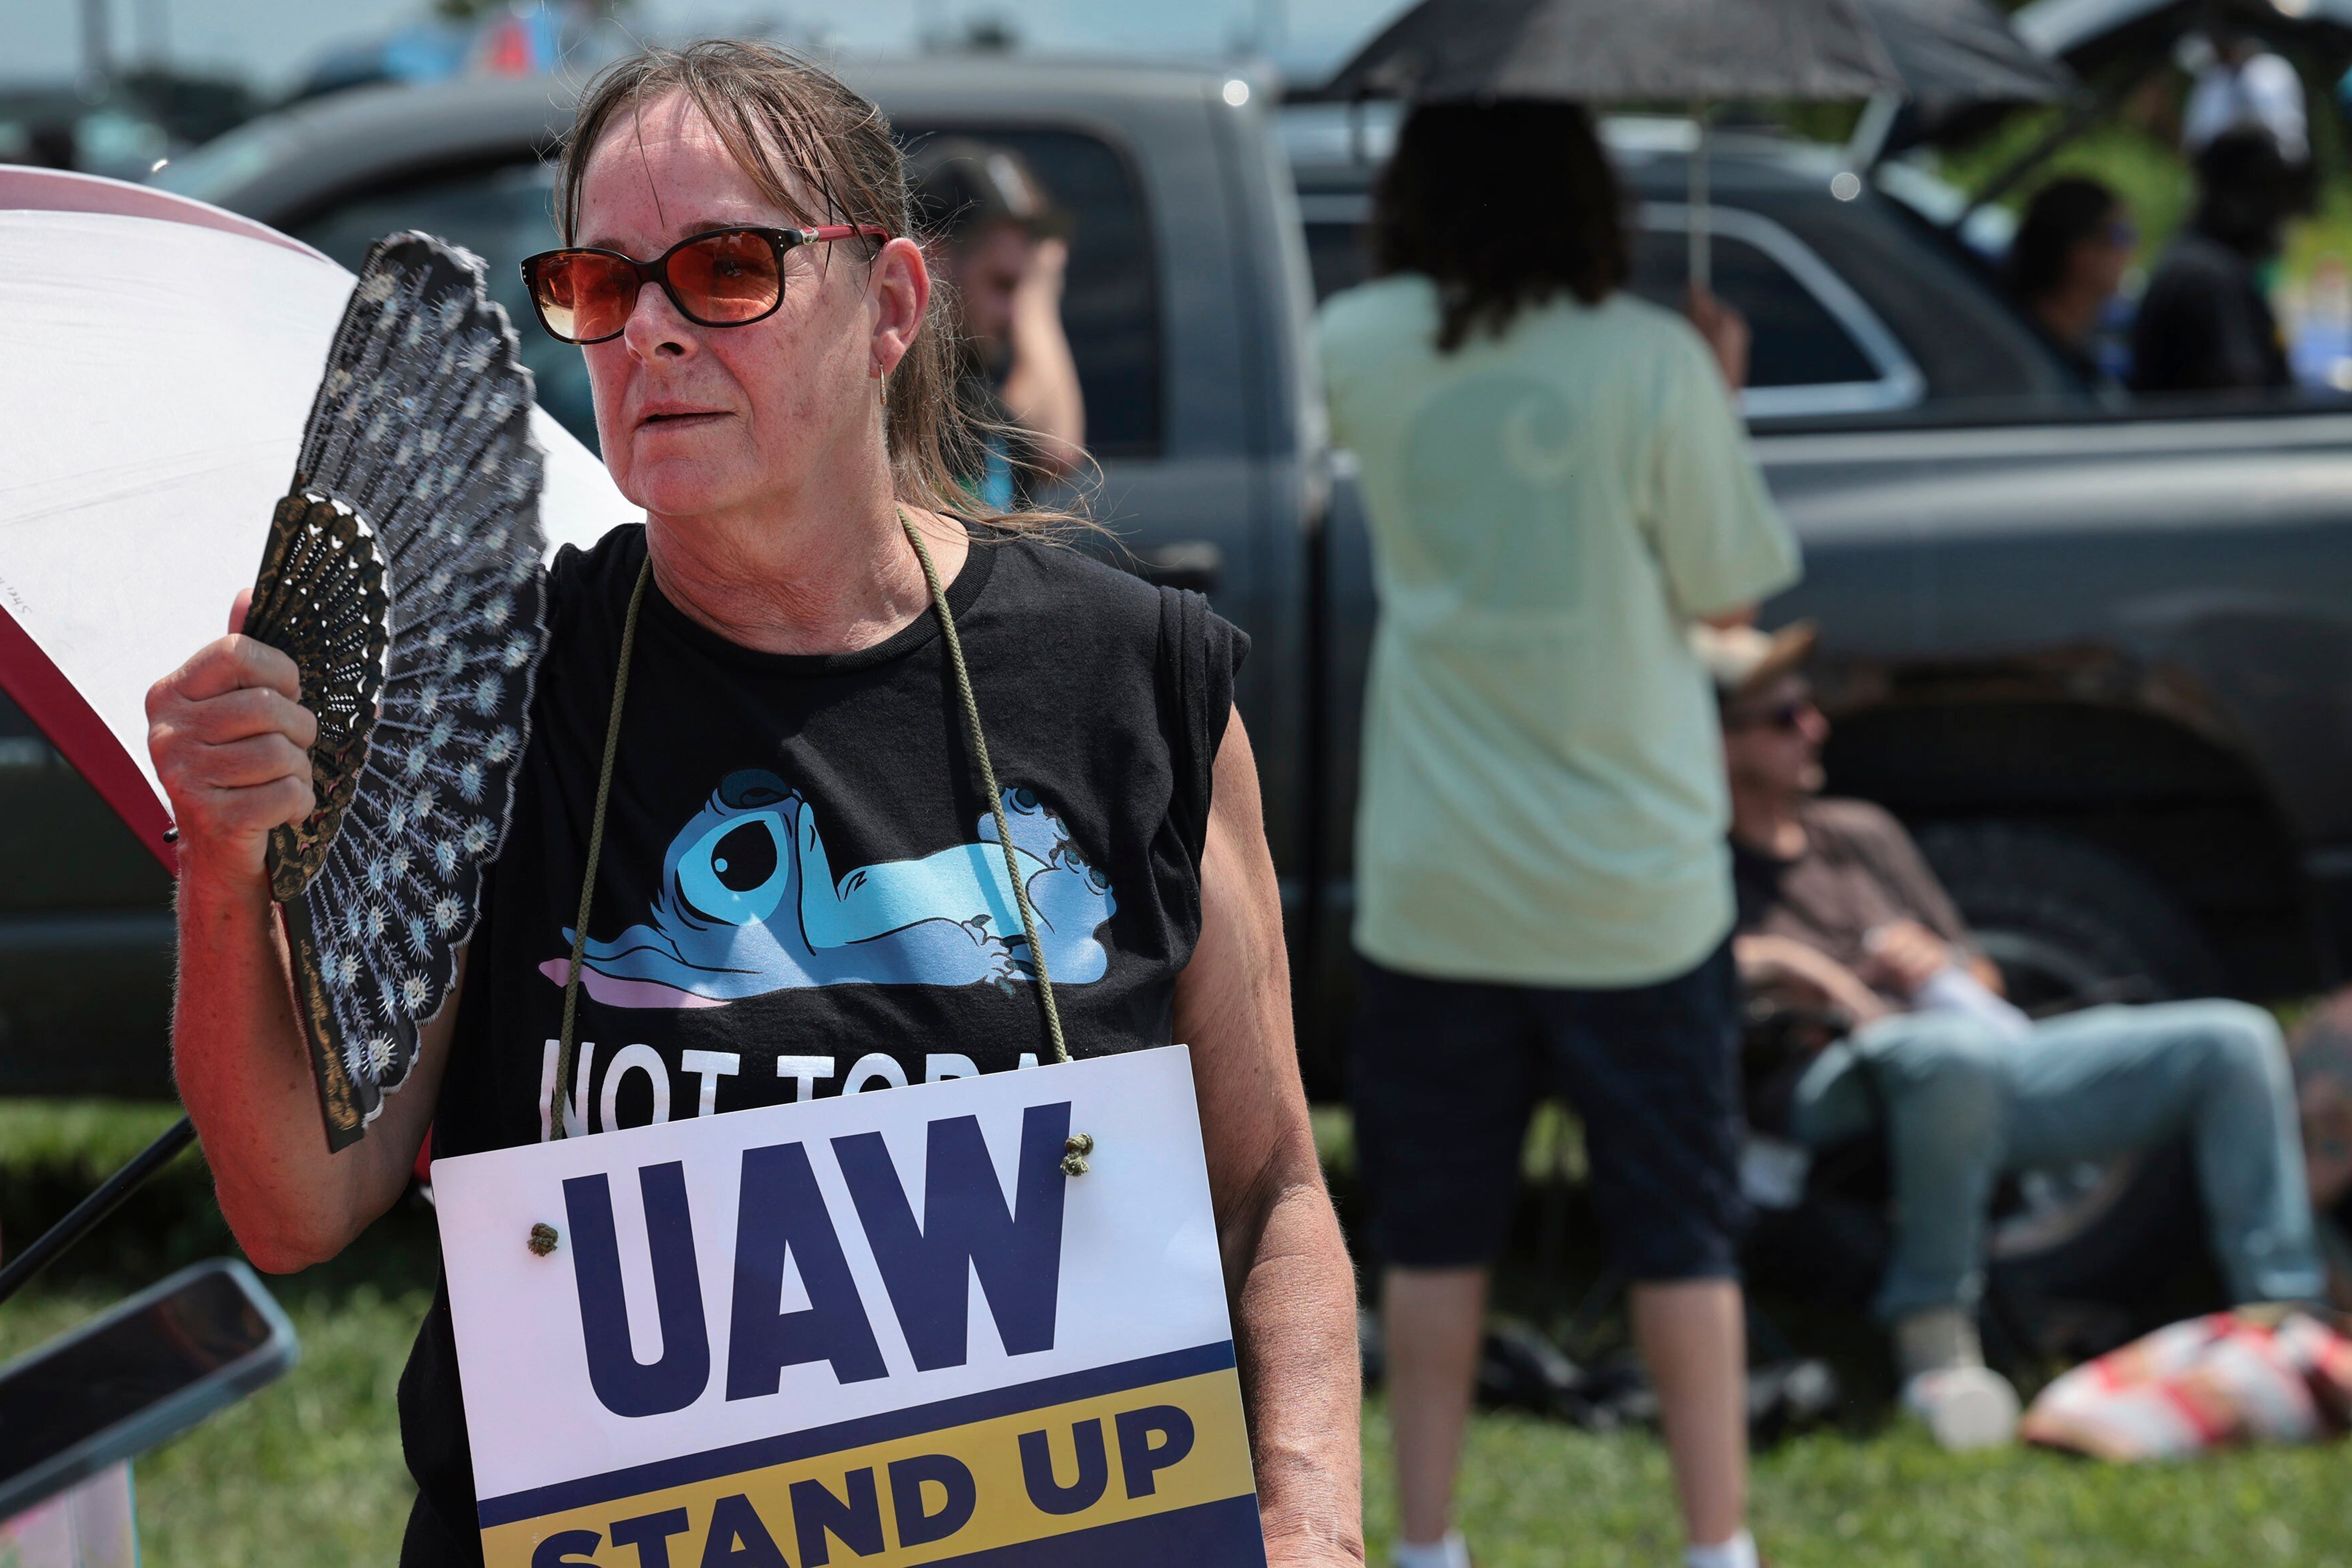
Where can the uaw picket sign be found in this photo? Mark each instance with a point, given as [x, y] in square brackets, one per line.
[884, 1329]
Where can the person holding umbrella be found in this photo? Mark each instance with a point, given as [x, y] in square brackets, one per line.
[1558, 487]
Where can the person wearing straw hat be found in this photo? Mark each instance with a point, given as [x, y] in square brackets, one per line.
[763, 846]
[1840, 913]
[1557, 484]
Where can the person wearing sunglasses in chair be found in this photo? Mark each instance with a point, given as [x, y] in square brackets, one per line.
[1841, 915]
[804, 884]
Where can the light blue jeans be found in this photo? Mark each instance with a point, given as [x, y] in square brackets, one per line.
[1962, 1104]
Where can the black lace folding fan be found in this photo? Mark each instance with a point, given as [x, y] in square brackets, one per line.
[402, 577]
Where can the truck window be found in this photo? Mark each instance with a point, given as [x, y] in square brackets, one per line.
[501, 212]
[1111, 307]
[1797, 342]
[1110, 297]
[1817, 348]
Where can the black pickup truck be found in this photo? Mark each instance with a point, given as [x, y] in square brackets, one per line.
[2100, 657]
[1188, 307]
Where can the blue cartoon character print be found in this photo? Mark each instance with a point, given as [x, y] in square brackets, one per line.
[751, 903]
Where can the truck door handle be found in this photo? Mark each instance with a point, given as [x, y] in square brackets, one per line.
[1195, 564]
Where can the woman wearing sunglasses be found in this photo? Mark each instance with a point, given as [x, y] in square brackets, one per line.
[767, 818]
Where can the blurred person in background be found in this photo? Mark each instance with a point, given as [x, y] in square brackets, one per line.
[1002, 250]
[1558, 485]
[2205, 323]
[2241, 84]
[2067, 263]
[2322, 1049]
[1839, 913]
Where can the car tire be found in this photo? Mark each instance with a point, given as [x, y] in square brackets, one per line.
[2070, 924]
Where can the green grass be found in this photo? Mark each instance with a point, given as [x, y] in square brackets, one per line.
[78, 1137]
[1534, 1492]
[308, 1473]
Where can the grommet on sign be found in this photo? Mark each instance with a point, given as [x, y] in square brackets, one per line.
[1075, 1150]
[543, 1240]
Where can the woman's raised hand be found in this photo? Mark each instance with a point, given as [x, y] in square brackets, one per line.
[231, 740]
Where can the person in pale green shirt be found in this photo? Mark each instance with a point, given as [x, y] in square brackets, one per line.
[1557, 486]
[1543, 801]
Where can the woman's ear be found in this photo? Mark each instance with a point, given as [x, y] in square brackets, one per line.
[898, 295]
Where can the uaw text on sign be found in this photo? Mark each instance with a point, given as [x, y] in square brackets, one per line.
[884, 1329]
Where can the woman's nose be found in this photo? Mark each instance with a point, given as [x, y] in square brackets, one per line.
[654, 329]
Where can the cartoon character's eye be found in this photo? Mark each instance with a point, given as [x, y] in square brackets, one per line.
[734, 873]
[745, 857]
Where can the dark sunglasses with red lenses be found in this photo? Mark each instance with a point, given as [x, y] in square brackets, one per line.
[726, 277]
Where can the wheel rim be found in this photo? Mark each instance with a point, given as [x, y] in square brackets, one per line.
[2043, 975]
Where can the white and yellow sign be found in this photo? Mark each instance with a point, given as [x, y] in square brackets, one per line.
[881, 1329]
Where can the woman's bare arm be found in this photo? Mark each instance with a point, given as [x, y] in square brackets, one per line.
[228, 737]
[1293, 1288]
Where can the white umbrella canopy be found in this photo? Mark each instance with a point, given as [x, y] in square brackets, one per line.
[159, 370]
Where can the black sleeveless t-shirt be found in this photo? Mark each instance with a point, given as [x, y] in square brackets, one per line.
[801, 891]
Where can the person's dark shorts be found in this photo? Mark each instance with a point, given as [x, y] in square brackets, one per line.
[1447, 1073]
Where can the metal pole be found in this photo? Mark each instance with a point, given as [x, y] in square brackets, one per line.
[2077, 120]
[95, 1207]
[2014, 173]
[1863, 148]
[1270, 22]
[97, 47]
[1702, 268]
[154, 34]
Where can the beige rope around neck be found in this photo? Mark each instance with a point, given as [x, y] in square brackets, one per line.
[560, 1096]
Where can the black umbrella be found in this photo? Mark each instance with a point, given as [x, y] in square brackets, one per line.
[1600, 51]
[1940, 53]
[1614, 50]
[1960, 60]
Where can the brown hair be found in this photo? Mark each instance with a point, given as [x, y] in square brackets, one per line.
[1502, 206]
[824, 155]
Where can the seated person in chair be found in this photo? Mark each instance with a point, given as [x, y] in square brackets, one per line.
[1840, 913]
